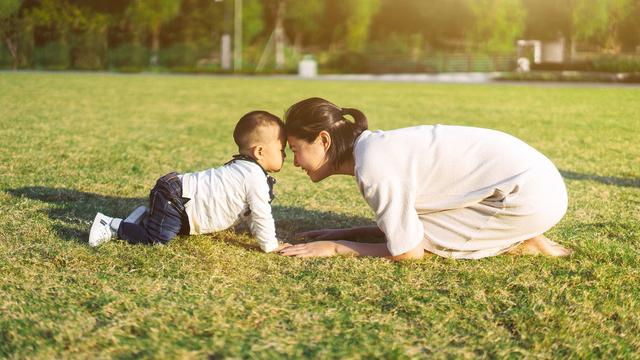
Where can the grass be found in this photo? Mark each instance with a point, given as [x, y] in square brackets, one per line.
[74, 144]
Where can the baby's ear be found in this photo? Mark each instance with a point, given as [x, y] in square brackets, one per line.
[257, 152]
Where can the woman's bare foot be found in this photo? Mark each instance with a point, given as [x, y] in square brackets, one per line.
[540, 245]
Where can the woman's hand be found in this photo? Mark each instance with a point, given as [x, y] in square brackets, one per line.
[313, 249]
[281, 245]
[348, 248]
[324, 234]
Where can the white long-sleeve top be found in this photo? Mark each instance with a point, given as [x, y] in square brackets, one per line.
[407, 173]
[219, 197]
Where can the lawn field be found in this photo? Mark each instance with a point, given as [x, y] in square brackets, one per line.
[73, 144]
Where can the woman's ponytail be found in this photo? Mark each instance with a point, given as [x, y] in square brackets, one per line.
[360, 119]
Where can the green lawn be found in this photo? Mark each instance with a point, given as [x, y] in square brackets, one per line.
[73, 144]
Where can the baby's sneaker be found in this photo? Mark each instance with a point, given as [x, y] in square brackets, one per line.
[101, 230]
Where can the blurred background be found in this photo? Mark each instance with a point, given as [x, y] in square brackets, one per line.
[339, 36]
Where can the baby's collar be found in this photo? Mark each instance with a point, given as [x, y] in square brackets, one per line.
[270, 179]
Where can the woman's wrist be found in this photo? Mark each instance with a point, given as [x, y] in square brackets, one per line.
[342, 249]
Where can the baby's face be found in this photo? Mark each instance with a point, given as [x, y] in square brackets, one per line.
[274, 147]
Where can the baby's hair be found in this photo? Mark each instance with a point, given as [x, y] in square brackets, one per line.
[307, 118]
[248, 129]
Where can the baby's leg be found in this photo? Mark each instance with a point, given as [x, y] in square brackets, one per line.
[137, 215]
[540, 245]
[162, 224]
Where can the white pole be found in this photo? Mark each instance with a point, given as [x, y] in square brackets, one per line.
[225, 52]
[237, 36]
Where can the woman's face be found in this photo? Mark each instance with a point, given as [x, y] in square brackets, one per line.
[311, 157]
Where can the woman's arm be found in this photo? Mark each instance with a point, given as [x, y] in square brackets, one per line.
[343, 247]
[335, 234]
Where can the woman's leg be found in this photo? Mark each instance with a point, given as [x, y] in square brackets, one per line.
[509, 220]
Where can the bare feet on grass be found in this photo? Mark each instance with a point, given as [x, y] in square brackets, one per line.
[540, 245]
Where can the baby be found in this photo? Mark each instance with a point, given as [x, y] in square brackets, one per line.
[214, 199]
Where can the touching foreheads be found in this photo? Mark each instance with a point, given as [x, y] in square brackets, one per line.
[254, 127]
[307, 118]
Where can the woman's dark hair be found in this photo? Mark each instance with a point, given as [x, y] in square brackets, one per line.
[307, 118]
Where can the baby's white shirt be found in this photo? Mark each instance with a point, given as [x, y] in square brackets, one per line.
[220, 197]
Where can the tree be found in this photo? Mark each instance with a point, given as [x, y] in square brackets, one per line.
[440, 23]
[150, 15]
[548, 19]
[304, 18]
[629, 29]
[601, 23]
[358, 22]
[9, 27]
[252, 20]
[58, 18]
[598, 21]
[497, 24]
[301, 18]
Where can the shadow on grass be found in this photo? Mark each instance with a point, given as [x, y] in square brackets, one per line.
[72, 212]
[292, 219]
[608, 180]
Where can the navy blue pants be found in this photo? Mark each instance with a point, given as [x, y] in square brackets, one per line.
[167, 217]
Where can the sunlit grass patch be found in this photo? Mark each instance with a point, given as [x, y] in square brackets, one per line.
[74, 144]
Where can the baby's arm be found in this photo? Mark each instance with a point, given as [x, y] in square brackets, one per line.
[261, 222]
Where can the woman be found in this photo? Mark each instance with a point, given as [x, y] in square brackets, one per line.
[458, 192]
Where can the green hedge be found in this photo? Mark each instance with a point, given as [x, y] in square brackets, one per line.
[571, 76]
[53, 56]
[609, 64]
[181, 57]
[6, 61]
[377, 63]
[129, 58]
[618, 64]
[89, 51]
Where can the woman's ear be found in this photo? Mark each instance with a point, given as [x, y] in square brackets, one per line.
[325, 139]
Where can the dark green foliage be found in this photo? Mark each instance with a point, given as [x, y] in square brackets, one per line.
[180, 57]
[6, 60]
[89, 51]
[129, 57]
[609, 64]
[617, 64]
[388, 35]
[53, 56]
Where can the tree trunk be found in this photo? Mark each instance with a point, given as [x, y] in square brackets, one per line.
[297, 44]
[13, 49]
[155, 44]
[279, 37]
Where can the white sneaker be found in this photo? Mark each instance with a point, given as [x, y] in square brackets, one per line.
[137, 215]
[101, 230]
